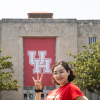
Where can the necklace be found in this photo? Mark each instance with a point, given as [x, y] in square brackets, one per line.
[58, 91]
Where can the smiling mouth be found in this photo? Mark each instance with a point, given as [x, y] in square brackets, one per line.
[59, 79]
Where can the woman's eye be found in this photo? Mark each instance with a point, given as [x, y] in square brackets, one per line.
[55, 73]
[61, 72]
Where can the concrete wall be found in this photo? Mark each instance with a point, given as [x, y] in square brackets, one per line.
[0, 46]
[86, 29]
[0, 34]
[13, 32]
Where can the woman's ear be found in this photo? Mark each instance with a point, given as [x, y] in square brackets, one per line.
[68, 72]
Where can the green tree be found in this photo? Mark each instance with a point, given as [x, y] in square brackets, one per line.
[87, 67]
[6, 70]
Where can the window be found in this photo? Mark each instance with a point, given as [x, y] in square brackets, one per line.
[92, 39]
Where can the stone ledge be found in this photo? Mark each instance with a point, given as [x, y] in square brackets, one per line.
[88, 21]
[38, 20]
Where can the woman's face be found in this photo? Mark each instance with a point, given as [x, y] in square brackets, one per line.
[61, 75]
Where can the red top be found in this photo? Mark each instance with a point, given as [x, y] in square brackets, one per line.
[68, 92]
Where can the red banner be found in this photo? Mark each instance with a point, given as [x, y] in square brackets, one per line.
[39, 56]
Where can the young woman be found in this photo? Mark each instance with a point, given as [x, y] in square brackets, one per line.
[62, 75]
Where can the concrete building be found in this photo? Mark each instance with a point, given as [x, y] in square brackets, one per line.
[69, 34]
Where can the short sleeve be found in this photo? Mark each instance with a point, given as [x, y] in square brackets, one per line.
[75, 91]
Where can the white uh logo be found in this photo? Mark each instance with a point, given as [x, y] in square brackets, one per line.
[40, 62]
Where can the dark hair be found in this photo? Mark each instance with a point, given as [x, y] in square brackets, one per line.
[71, 77]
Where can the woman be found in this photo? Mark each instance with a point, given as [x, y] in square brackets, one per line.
[62, 75]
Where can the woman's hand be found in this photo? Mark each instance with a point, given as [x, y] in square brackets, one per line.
[38, 82]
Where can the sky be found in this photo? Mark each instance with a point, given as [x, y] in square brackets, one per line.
[61, 9]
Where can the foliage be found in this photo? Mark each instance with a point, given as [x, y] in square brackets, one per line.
[87, 67]
[6, 83]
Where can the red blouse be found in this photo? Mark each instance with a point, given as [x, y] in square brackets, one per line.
[68, 92]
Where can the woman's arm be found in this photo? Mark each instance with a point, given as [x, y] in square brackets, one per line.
[38, 96]
[81, 98]
[38, 86]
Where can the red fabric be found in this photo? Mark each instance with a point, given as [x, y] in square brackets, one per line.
[38, 45]
[68, 92]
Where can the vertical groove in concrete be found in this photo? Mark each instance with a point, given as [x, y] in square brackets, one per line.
[20, 67]
[0, 48]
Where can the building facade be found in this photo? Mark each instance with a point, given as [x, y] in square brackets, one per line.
[69, 34]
